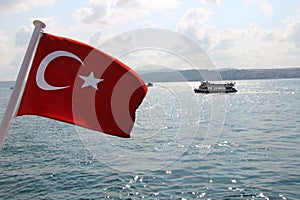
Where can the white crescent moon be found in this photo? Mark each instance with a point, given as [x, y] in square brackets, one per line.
[40, 75]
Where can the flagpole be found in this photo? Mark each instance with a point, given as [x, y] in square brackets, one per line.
[10, 110]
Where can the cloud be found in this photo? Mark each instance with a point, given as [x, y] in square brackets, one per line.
[17, 6]
[99, 11]
[212, 2]
[3, 47]
[7, 72]
[194, 23]
[270, 36]
[251, 47]
[148, 24]
[227, 38]
[195, 17]
[146, 6]
[251, 1]
[293, 33]
[119, 11]
[22, 36]
[266, 8]
[256, 47]
[97, 38]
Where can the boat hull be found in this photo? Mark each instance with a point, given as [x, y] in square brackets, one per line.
[197, 90]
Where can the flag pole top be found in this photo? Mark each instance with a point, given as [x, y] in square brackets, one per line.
[39, 23]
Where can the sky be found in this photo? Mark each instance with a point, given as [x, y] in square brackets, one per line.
[243, 34]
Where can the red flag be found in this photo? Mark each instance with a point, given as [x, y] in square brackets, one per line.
[78, 84]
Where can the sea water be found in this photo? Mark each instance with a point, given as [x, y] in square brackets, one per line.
[184, 145]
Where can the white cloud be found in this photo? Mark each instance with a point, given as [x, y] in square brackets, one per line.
[22, 36]
[96, 38]
[293, 33]
[146, 6]
[3, 47]
[6, 72]
[256, 47]
[251, 1]
[227, 38]
[118, 11]
[17, 6]
[253, 47]
[266, 8]
[195, 17]
[195, 24]
[99, 11]
[212, 2]
[149, 24]
[270, 36]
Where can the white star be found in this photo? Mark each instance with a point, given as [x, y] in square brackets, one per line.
[90, 81]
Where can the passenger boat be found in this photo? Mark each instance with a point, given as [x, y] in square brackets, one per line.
[207, 87]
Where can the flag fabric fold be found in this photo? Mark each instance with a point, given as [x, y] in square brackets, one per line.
[75, 83]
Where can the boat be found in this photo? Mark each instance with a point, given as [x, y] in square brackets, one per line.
[150, 84]
[207, 87]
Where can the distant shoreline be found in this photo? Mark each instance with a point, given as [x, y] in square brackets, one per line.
[225, 74]
[210, 75]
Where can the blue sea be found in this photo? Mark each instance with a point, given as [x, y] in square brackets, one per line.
[244, 145]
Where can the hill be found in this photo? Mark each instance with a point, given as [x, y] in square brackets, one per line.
[209, 75]
[224, 74]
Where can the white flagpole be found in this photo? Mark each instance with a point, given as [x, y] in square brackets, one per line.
[10, 110]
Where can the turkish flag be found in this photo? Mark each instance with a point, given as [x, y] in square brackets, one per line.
[78, 84]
